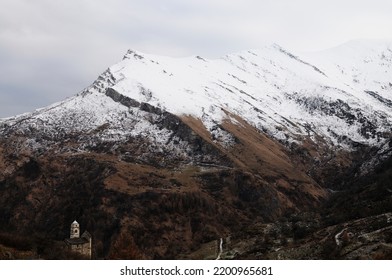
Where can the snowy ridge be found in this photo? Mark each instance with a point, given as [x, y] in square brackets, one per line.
[343, 95]
[272, 89]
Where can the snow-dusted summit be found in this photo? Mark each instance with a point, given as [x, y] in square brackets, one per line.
[343, 95]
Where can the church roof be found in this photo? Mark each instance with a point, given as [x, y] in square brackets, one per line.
[86, 235]
[75, 222]
[76, 241]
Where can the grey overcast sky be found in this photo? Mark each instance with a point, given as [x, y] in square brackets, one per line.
[52, 49]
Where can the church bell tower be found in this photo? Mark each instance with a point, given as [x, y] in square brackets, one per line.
[75, 230]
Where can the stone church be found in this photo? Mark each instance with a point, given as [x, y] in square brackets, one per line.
[79, 244]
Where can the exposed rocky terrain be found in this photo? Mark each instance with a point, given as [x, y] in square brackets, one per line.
[279, 155]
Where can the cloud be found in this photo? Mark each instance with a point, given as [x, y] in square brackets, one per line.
[50, 49]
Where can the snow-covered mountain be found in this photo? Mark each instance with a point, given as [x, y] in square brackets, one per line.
[343, 95]
[182, 151]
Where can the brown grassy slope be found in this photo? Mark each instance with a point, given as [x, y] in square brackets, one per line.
[262, 156]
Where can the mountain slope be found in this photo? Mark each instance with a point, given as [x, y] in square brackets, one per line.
[185, 151]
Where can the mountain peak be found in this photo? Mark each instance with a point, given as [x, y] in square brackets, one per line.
[133, 54]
